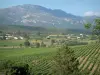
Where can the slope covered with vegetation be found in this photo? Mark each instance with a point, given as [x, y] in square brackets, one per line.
[41, 59]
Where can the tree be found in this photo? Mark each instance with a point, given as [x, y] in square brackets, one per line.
[42, 44]
[87, 25]
[37, 45]
[1, 32]
[26, 36]
[52, 41]
[65, 62]
[19, 32]
[4, 37]
[20, 45]
[27, 43]
[95, 27]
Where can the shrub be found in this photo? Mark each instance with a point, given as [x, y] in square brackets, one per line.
[18, 69]
[65, 62]
[52, 41]
[73, 43]
[42, 44]
[37, 45]
[27, 43]
[20, 45]
[5, 45]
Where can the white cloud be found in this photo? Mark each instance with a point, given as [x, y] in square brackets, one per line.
[91, 13]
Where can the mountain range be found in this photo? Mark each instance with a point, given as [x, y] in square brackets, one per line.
[35, 15]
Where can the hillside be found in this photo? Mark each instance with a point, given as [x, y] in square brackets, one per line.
[35, 15]
[14, 28]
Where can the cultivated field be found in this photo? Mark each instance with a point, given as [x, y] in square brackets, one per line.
[88, 56]
[11, 42]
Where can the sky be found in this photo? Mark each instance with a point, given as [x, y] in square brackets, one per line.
[75, 7]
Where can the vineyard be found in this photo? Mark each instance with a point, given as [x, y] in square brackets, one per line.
[89, 58]
[41, 61]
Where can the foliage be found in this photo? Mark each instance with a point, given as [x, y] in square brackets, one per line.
[42, 44]
[52, 41]
[27, 43]
[93, 37]
[7, 64]
[73, 43]
[95, 27]
[18, 32]
[41, 67]
[65, 62]
[20, 45]
[37, 45]
[18, 69]
[26, 36]
[4, 37]
[88, 25]
[1, 32]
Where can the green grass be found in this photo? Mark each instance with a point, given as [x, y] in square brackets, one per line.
[11, 42]
[26, 55]
[8, 53]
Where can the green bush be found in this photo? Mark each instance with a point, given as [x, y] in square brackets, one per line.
[65, 62]
[20, 45]
[37, 45]
[42, 44]
[27, 43]
[73, 43]
[18, 69]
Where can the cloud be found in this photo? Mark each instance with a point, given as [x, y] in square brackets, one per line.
[91, 13]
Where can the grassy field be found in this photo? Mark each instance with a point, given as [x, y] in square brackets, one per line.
[11, 42]
[10, 52]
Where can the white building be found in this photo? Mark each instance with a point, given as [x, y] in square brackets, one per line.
[21, 38]
[81, 35]
[78, 37]
[68, 37]
[15, 38]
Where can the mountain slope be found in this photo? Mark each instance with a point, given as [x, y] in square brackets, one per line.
[34, 15]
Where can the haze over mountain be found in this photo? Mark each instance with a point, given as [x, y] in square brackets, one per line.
[35, 15]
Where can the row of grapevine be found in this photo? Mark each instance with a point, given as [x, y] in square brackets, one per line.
[89, 58]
